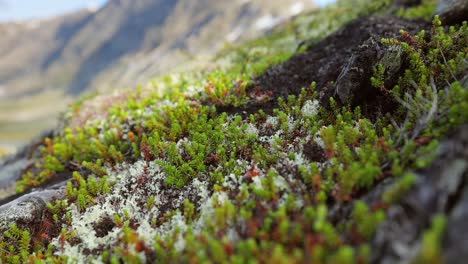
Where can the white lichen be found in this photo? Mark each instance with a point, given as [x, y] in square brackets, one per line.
[310, 108]
[272, 121]
[251, 130]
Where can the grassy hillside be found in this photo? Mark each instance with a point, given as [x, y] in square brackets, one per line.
[214, 166]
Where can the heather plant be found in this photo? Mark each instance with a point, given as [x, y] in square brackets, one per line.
[15, 245]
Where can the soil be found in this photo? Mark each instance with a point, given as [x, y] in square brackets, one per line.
[326, 61]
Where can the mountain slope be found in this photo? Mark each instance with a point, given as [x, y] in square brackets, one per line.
[126, 43]
[70, 51]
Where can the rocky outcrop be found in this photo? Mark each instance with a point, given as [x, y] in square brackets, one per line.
[341, 65]
[439, 189]
[12, 167]
[406, 3]
[452, 11]
[28, 209]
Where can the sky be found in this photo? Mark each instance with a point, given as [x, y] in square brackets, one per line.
[323, 2]
[27, 9]
[13, 10]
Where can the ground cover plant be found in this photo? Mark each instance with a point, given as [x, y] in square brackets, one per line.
[186, 170]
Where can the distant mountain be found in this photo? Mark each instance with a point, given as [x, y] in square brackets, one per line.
[45, 63]
[126, 42]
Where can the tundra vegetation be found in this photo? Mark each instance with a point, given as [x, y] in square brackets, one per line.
[161, 174]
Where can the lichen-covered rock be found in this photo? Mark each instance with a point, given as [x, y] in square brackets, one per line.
[28, 209]
[452, 11]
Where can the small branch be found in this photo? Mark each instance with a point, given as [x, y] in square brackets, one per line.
[74, 164]
[446, 64]
[435, 102]
[405, 104]
[422, 124]
[414, 84]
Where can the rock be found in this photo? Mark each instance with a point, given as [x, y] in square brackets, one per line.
[28, 209]
[456, 242]
[348, 54]
[9, 172]
[441, 188]
[353, 85]
[452, 11]
[12, 167]
[406, 3]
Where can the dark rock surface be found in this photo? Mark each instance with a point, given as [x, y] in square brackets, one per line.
[441, 188]
[452, 11]
[340, 64]
[406, 3]
[456, 237]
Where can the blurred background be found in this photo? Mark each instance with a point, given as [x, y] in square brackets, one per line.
[53, 51]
